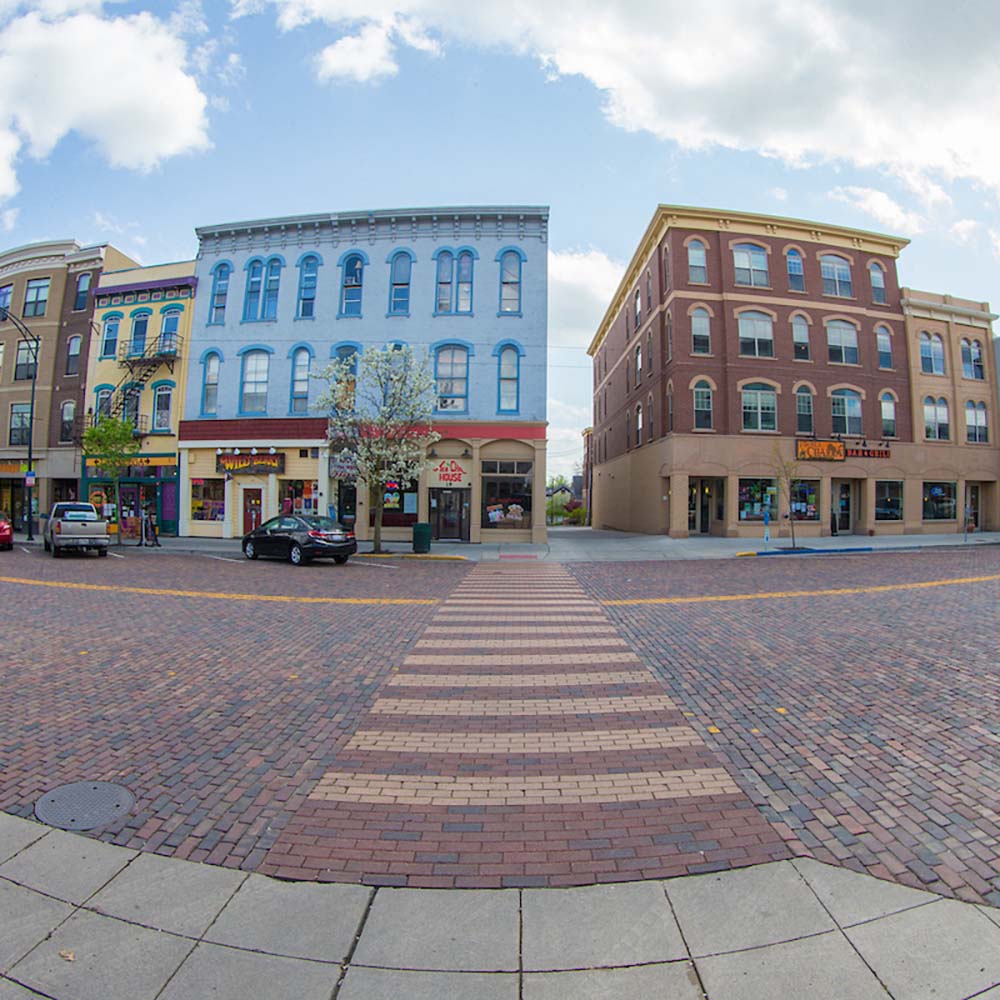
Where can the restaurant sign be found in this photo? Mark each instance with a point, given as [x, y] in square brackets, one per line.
[344, 466]
[14, 467]
[835, 451]
[449, 472]
[250, 465]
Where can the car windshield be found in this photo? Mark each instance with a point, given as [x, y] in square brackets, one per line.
[323, 524]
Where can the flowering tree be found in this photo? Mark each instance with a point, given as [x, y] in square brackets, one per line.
[379, 407]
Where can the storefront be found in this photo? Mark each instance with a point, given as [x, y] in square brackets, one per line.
[150, 484]
[13, 498]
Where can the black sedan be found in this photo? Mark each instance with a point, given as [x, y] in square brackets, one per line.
[300, 538]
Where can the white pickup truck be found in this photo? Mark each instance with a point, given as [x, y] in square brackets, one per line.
[75, 526]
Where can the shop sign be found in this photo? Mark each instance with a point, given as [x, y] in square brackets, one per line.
[147, 461]
[449, 472]
[820, 451]
[15, 468]
[869, 453]
[343, 466]
[250, 465]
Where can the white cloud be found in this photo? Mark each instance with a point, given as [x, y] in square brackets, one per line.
[581, 283]
[135, 101]
[233, 71]
[964, 230]
[882, 208]
[994, 235]
[8, 219]
[778, 194]
[363, 57]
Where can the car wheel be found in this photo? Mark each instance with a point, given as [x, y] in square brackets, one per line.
[45, 545]
[340, 560]
[102, 553]
[250, 550]
[295, 556]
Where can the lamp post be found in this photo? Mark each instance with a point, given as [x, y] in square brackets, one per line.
[29, 488]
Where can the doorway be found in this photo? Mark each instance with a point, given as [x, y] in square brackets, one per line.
[702, 511]
[251, 509]
[347, 504]
[450, 514]
[842, 506]
[972, 506]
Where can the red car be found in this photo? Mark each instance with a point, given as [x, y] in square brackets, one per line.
[6, 532]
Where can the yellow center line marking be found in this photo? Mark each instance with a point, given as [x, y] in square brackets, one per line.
[163, 592]
[838, 592]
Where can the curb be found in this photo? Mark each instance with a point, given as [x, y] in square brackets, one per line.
[409, 555]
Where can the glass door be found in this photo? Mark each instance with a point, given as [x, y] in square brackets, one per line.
[972, 505]
[842, 506]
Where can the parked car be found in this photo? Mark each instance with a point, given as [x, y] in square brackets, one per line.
[75, 526]
[6, 532]
[300, 538]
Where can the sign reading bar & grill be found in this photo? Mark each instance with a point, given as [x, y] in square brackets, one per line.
[250, 465]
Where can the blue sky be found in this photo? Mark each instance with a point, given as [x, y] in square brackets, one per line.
[154, 118]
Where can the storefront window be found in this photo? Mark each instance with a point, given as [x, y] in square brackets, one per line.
[805, 500]
[506, 494]
[399, 505]
[756, 496]
[888, 500]
[208, 500]
[939, 502]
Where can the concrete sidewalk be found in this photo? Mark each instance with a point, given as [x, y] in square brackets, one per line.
[83, 920]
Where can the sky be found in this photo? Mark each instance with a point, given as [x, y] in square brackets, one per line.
[132, 123]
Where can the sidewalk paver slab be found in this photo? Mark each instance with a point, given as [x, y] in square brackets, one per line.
[945, 951]
[853, 897]
[26, 917]
[824, 967]
[474, 930]
[16, 834]
[991, 913]
[676, 981]
[231, 974]
[294, 919]
[393, 984]
[112, 960]
[169, 895]
[67, 866]
[593, 926]
[733, 910]
[11, 991]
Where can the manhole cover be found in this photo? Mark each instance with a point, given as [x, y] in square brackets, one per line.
[84, 805]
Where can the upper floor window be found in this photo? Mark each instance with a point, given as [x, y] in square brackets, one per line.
[82, 288]
[845, 405]
[703, 405]
[887, 403]
[140, 327]
[73, 356]
[6, 292]
[445, 279]
[272, 279]
[170, 324]
[975, 423]
[20, 425]
[842, 342]
[756, 335]
[883, 340]
[210, 385]
[638, 424]
[510, 282]
[25, 361]
[804, 410]
[109, 339]
[670, 337]
[836, 273]
[351, 286]
[308, 280]
[878, 283]
[300, 380]
[800, 338]
[451, 370]
[750, 262]
[637, 300]
[638, 364]
[162, 399]
[936, 424]
[972, 360]
[509, 379]
[649, 292]
[760, 407]
[649, 351]
[131, 398]
[931, 354]
[667, 284]
[697, 264]
[669, 408]
[36, 297]
[220, 292]
[701, 332]
[67, 421]
[347, 387]
[253, 394]
[104, 402]
[796, 274]
[400, 269]
[255, 282]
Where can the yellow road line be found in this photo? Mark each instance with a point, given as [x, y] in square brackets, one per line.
[838, 592]
[163, 592]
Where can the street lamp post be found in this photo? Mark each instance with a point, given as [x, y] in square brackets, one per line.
[29, 489]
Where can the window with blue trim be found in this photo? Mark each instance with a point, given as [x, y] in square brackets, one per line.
[445, 273]
[300, 381]
[140, 326]
[103, 408]
[130, 410]
[254, 390]
[399, 284]
[510, 282]
[510, 363]
[220, 292]
[308, 278]
[271, 283]
[351, 287]
[162, 397]
[451, 368]
[210, 385]
[82, 287]
[169, 325]
[454, 282]
[251, 302]
[347, 388]
[109, 339]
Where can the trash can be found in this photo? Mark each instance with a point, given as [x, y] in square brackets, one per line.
[421, 537]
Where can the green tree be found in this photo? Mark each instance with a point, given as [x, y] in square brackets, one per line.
[113, 444]
[786, 472]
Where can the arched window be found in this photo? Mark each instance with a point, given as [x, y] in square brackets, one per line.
[73, 356]
[399, 284]
[638, 364]
[670, 337]
[972, 360]
[697, 265]
[103, 408]
[347, 356]
[220, 292]
[300, 380]
[836, 273]
[804, 410]
[445, 276]
[253, 393]
[649, 351]
[251, 298]
[750, 263]
[109, 338]
[130, 408]
[936, 424]
[756, 335]
[350, 287]
[888, 407]
[800, 338]
[451, 371]
[796, 273]
[637, 302]
[210, 384]
[878, 283]
[463, 283]
[883, 340]
[975, 423]
[702, 405]
[82, 287]
[509, 376]
[271, 283]
[162, 399]
[67, 420]
[638, 424]
[845, 405]
[931, 354]
[842, 342]
[510, 282]
[649, 292]
[701, 332]
[669, 408]
[308, 280]
[760, 407]
[170, 323]
[667, 284]
[140, 326]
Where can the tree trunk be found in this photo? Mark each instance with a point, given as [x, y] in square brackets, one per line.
[118, 506]
[377, 532]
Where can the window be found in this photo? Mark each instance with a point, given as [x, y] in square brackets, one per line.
[972, 360]
[936, 425]
[399, 284]
[308, 279]
[666, 269]
[697, 267]
[888, 407]
[836, 274]
[506, 494]
[878, 283]
[347, 356]
[842, 342]
[208, 499]
[751, 265]
[82, 287]
[975, 423]
[351, 286]
[73, 356]
[701, 333]
[67, 420]
[846, 407]
[445, 266]
[36, 297]
[638, 309]
[454, 282]
[883, 340]
[271, 283]
[254, 393]
[888, 500]
[20, 417]
[940, 502]
[803, 500]
[509, 376]
[130, 409]
[137, 345]
[757, 496]
[300, 381]
[210, 385]
[251, 300]
[803, 410]
[638, 364]
[109, 340]
[702, 405]
[931, 354]
[6, 293]
[760, 407]
[796, 274]
[800, 338]
[162, 397]
[103, 403]
[463, 299]
[169, 325]
[670, 337]
[510, 282]
[649, 351]
[670, 410]
[649, 292]
[220, 291]
[25, 362]
[756, 335]
[451, 368]
[638, 424]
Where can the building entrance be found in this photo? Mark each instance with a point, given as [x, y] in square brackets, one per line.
[972, 506]
[450, 514]
[706, 504]
[842, 507]
[252, 512]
